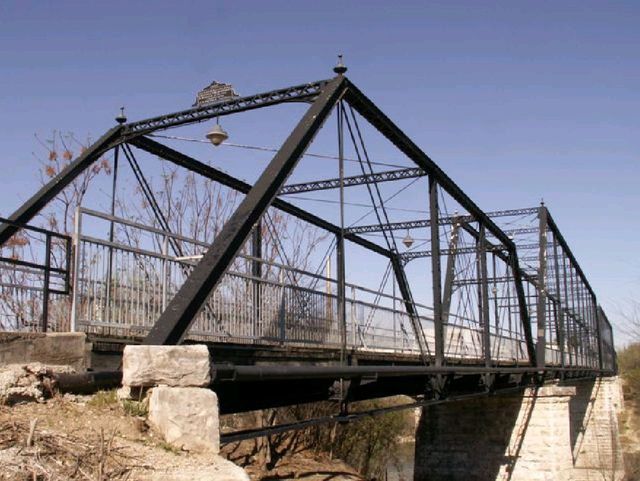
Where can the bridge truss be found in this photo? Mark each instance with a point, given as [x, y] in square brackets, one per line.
[507, 297]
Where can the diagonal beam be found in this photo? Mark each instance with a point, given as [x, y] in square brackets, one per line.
[31, 207]
[189, 163]
[184, 307]
[376, 178]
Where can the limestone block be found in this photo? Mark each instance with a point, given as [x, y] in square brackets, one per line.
[54, 348]
[186, 417]
[166, 365]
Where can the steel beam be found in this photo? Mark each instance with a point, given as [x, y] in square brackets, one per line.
[445, 220]
[411, 255]
[377, 177]
[541, 311]
[299, 93]
[436, 272]
[449, 277]
[189, 163]
[31, 207]
[175, 321]
[560, 304]
[483, 276]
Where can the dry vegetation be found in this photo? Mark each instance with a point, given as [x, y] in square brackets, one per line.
[367, 446]
[629, 362]
[83, 438]
[97, 438]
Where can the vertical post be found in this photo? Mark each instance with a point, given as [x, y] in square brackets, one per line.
[599, 327]
[560, 302]
[107, 304]
[342, 313]
[484, 296]
[436, 276]
[576, 324]
[45, 290]
[450, 272]
[565, 309]
[75, 286]
[393, 307]
[541, 310]
[165, 270]
[282, 311]
[353, 317]
[256, 273]
[598, 332]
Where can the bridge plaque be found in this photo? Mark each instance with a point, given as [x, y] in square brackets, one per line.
[215, 92]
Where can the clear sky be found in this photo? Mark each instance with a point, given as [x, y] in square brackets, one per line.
[516, 100]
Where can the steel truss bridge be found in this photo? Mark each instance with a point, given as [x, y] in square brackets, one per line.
[508, 301]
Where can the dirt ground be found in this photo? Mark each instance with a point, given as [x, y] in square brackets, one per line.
[96, 438]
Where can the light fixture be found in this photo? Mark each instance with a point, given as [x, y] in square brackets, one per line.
[217, 134]
[408, 240]
[340, 68]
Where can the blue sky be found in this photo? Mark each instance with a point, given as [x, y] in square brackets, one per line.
[516, 100]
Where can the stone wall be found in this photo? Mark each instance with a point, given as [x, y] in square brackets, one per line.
[595, 441]
[556, 432]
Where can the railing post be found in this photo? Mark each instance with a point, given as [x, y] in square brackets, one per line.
[165, 270]
[282, 311]
[353, 317]
[541, 310]
[256, 273]
[75, 284]
[436, 276]
[107, 305]
[47, 276]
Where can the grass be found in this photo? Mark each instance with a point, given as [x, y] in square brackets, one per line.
[103, 399]
[134, 408]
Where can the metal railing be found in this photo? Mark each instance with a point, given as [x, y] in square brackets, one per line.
[34, 280]
[122, 287]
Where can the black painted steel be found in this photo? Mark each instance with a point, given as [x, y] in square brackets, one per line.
[299, 93]
[183, 308]
[444, 220]
[227, 180]
[436, 273]
[377, 177]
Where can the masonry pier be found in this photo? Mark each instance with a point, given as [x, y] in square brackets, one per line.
[563, 431]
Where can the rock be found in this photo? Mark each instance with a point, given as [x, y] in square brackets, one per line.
[28, 382]
[186, 417]
[52, 348]
[166, 365]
